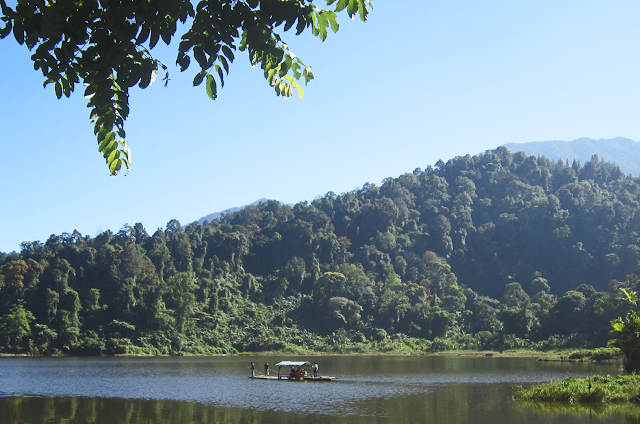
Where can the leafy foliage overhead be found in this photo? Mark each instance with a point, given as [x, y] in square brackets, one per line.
[106, 45]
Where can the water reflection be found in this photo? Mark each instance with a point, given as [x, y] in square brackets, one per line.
[473, 405]
[71, 410]
[630, 412]
[198, 390]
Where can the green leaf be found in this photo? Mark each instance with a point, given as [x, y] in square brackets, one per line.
[341, 5]
[295, 85]
[302, 24]
[183, 61]
[243, 41]
[133, 76]
[323, 23]
[122, 107]
[289, 23]
[315, 30]
[631, 296]
[90, 90]
[66, 87]
[270, 77]
[115, 154]
[334, 23]
[126, 151]
[102, 133]
[154, 38]
[102, 148]
[221, 75]
[363, 10]
[166, 33]
[296, 70]
[284, 68]
[143, 35]
[110, 148]
[210, 47]
[353, 7]
[198, 54]
[58, 89]
[121, 133]
[212, 91]
[228, 52]
[308, 74]
[224, 62]
[18, 31]
[198, 78]
[145, 78]
[115, 166]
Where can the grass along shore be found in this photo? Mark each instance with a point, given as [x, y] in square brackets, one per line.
[597, 389]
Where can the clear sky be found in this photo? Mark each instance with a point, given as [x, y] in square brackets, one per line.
[421, 81]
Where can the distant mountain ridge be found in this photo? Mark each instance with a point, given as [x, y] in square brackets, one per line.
[216, 215]
[620, 150]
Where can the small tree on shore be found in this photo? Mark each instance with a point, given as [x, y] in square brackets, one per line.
[15, 328]
[628, 340]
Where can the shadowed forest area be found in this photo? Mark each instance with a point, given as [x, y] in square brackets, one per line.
[495, 251]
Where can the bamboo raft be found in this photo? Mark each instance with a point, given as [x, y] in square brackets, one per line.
[286, 378]
[297, 373]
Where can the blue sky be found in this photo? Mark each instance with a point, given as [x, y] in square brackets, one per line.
[421, 81]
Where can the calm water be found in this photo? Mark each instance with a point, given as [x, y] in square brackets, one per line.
[217, 390]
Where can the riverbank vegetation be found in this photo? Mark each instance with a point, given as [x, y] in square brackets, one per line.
[493, 252]
[624, 388]
[598, 389]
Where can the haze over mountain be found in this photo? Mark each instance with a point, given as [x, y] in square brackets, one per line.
[215, 215]
[620, 150]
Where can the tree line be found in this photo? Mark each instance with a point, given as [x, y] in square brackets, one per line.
[494, 251]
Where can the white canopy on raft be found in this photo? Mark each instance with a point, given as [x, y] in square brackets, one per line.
[292, 364]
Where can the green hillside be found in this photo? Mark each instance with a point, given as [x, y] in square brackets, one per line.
[493, 251]
[621, 151]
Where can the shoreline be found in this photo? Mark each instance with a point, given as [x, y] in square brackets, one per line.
[591, 390]
[549, 356]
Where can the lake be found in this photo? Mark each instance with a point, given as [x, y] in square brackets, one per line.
[368, 389]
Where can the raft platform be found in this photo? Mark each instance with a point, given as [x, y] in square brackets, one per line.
[285, 378]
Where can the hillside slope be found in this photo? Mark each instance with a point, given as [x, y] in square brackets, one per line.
[621, 151]
[494, 251]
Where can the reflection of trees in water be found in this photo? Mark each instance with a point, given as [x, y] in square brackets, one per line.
[72, 410]
[78, 410]
[477, 404]
[601, 410]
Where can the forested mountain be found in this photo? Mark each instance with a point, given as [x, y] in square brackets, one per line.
[621, 151]
[216, 215]
[491, 251]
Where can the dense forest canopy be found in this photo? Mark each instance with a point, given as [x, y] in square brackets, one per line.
[496, 250]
